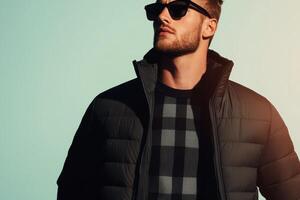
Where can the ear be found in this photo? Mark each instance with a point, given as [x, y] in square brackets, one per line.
[209, 27]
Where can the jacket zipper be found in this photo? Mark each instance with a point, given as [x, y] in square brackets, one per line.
[217, 164]
[136, 181]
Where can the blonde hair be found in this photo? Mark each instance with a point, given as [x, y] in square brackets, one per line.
[214, 8]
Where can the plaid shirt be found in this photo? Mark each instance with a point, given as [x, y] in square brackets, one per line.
[175, 146]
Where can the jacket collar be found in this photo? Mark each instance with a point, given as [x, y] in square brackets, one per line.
[213, 82]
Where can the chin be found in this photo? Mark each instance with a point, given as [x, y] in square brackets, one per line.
[164, 45]
[173, 48]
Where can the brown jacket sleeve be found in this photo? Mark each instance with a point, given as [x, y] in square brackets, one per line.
[279, 170]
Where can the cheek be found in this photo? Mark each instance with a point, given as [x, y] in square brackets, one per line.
[191, 23]
[188, 28]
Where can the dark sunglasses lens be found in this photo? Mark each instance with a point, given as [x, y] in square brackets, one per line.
[178, 9]
[153, 10]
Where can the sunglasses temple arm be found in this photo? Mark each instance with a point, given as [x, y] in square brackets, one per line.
[200, 9]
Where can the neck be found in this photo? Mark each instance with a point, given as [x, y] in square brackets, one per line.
[184, 71]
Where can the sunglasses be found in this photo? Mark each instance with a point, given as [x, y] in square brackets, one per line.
[177, 9]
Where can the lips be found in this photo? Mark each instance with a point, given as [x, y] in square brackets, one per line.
[165, 30]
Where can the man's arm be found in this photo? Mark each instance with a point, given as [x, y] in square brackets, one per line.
[279, 171]
[80, 177]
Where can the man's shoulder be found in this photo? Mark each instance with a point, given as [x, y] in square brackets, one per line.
[124, 88]
[120, 98]
[246, 92]
[250, 103]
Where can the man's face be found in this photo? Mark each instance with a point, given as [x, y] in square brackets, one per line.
[186, 32]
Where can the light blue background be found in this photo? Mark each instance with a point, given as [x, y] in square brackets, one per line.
[56, 56]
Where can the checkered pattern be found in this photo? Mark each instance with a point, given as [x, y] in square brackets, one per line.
[175, 147]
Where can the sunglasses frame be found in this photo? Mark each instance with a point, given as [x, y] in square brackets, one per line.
[190, 4]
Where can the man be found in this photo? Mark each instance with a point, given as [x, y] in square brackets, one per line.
[181, 129]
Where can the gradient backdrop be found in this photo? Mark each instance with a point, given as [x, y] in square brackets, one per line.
[56, 56]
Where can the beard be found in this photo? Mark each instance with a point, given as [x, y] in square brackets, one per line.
[172, 46]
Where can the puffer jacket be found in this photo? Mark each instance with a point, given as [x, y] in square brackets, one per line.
[110, 153]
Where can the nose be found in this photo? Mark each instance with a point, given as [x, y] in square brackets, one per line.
[164, 16]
